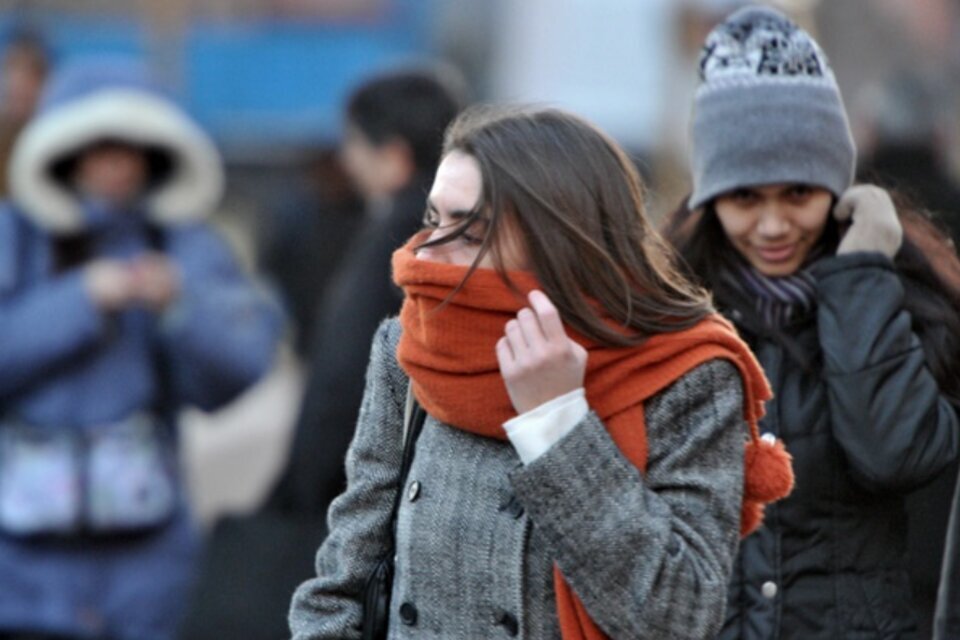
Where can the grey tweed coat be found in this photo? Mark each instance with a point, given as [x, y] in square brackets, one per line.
[478, 533]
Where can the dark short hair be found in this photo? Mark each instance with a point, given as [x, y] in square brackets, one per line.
[414, 105]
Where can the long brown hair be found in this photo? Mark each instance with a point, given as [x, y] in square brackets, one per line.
[578, 202]
[927, 263]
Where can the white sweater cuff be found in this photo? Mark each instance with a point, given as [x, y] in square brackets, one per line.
[534, 432]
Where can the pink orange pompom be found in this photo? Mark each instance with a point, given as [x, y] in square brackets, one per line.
[768, 477]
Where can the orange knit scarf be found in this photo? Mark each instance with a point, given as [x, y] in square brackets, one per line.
[450, 357]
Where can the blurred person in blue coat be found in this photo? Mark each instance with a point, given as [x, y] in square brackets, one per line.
[119, 305]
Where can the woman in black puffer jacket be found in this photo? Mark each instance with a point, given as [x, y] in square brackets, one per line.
[853, 309]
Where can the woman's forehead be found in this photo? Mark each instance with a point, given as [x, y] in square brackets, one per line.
[458, 183]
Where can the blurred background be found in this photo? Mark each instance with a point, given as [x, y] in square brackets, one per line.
[269, 78]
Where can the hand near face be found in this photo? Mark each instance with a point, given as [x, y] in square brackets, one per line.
[110, 284]
[156, 281]
[538, 361]
[151, 280]
[874, 223]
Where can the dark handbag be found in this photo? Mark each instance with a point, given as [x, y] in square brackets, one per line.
[376, 595]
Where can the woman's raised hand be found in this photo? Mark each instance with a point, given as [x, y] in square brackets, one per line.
[874, 223]
[538, 361]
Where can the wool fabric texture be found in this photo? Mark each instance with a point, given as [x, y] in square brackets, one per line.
[447, 348]
[767, 110]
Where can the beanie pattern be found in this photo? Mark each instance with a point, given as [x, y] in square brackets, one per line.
[767, 110]
[767, 45]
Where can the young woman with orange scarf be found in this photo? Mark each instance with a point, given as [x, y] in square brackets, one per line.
[590, 456]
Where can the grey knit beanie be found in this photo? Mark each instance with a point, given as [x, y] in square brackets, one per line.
[767, 110]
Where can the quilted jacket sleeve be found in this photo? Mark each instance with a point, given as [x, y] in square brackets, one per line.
[886, 409]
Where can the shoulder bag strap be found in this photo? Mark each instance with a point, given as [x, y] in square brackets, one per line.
[414, 417]
[408, 412]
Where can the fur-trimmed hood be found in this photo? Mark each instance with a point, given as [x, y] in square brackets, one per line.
[112, 99]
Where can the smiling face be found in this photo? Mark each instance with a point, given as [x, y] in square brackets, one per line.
[454, 197]
[774, 226]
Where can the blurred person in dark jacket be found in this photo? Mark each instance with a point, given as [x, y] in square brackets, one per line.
[947, 620]
[903, 127]
[394, 126]
[852, 305]
[119, 305]
[904, 123]
[301, 243]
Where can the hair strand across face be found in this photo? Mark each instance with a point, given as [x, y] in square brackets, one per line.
[577, 202]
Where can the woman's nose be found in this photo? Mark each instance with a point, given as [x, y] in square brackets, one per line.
[436, 253]
[772, 222]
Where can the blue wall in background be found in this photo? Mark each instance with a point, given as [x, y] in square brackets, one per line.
[294, 77]
[276, 83]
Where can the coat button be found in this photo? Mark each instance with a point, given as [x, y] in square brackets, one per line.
[512, 507]
[509, 622]
[769, 590]
[408, 614]
[673, 547]
[414, 491]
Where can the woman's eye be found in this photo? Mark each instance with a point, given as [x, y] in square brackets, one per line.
[469, 238]
[431, 220]
[799, 192]
[743, 196]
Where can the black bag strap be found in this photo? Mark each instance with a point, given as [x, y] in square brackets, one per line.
[414, 417]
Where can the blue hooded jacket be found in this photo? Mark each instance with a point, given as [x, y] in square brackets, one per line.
[66, 364]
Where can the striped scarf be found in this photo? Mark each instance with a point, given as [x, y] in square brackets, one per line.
[779, 300]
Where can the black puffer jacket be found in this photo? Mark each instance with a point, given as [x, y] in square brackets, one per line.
[948, 605]
[865, 423]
